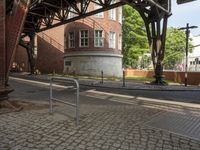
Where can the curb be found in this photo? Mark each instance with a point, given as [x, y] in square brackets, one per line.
[113, 87]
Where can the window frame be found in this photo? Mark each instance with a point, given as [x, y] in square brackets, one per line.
[101, 14]
[112, 12]
[69, 39]
[114, 40]
[99, 38]
[120, 41]
[83, 38]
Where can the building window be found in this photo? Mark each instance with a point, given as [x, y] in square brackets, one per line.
[120, 14]
[71, 40]
[120, 42]
[112, 12]
[84, 38]
[98, 38]
[112, 40]
[96, 6]
[68, 63]
[72, 13]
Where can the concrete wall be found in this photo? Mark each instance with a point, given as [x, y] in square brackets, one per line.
[92, 63]
[193, 77]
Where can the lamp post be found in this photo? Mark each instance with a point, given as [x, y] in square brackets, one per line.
[187, 32]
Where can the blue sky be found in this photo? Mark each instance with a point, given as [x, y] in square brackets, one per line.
[186, 13]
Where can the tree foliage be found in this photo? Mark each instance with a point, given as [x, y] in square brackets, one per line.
[135, 43]
[134, 37]
[175, 47]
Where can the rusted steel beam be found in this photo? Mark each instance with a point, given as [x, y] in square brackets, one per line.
[11, 25]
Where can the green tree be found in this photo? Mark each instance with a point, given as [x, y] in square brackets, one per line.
[175, 47]
[134, 37]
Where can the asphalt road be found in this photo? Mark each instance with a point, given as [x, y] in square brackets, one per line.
[32, 91]
[104, 122]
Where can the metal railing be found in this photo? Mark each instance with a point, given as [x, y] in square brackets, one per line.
[76, 105]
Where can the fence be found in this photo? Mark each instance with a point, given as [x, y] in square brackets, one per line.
[76, 105]
[176, 76]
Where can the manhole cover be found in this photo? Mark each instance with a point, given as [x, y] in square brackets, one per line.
[184, 123]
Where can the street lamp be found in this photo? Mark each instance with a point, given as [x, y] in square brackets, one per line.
[187, 32]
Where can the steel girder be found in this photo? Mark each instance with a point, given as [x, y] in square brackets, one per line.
[47, 14]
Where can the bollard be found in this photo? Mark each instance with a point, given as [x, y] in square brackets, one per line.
[101, 77]
[123, 78]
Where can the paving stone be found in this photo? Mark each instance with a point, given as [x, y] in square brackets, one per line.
[117, 127]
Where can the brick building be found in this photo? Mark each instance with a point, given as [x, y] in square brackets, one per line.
[85, 47]
[94, 44]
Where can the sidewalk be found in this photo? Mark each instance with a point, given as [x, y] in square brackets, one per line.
[129, 85]
[107, 122]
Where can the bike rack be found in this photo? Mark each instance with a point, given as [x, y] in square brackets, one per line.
[76, 105]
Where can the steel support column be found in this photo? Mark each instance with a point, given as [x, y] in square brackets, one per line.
[11, 25]
[30, 47]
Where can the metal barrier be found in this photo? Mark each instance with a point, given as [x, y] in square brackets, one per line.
[76, 105]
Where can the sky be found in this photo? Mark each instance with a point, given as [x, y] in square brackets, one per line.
[186, 13]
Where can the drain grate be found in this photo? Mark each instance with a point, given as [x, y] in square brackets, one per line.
[184, 123]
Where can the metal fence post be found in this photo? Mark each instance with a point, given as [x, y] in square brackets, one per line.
[102, 77]
[51, 103]
[123, 78]
[76, 105]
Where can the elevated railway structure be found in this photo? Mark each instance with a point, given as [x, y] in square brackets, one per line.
[20, 19]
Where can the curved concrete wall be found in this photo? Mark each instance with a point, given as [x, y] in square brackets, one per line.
[92, 63]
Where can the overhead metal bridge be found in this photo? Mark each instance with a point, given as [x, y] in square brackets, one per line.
[47, 14]
[21, 18]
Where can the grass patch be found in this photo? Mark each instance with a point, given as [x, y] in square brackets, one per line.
[141, 79]
[86, 77]
[135, 79]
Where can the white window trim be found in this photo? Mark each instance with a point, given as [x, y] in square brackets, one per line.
[69, 45]
[114, 14]
[112, 10]
[95, 38]
[99, 16]
[96, 6]
[114, 44]
[120, 15]
[80, 37]
[120, 41]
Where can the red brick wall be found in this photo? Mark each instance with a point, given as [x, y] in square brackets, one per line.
[94, 23]
[193, 77]
[56, 34]
[49, 55]
[49, 58]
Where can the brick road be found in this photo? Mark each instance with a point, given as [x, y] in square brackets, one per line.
[111, 126]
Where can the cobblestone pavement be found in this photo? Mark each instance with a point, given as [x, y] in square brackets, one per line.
[104, 125]
[109, 127]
